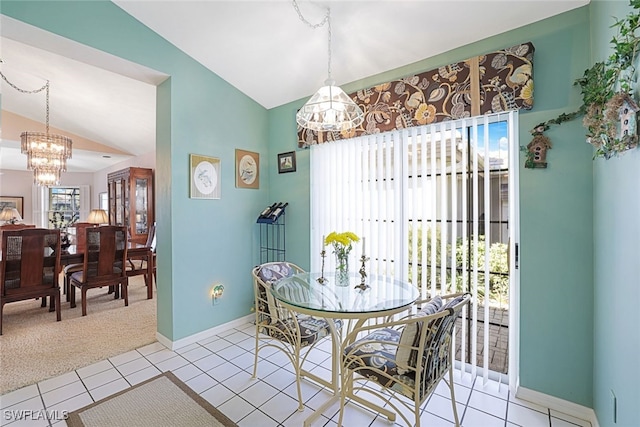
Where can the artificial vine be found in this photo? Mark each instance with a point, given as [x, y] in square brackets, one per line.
[605, 87]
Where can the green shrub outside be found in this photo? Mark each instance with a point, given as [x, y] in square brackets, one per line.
[498, 263]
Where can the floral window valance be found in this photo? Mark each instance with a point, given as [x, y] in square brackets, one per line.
[485, 84]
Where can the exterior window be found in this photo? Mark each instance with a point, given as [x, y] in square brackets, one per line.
[63, 207]
[60, 206]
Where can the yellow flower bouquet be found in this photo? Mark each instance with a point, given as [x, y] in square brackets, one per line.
[341, 243]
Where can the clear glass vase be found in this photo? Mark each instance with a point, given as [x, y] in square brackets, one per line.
[342, 270]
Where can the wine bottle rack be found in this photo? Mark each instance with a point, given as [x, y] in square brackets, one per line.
[272, 236]
[272, 213]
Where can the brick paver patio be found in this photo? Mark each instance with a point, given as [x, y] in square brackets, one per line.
[498, 339]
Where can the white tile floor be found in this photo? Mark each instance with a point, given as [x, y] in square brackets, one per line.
[219, 369]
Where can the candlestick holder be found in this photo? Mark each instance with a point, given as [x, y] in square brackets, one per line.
[322, 280]
[363, 274]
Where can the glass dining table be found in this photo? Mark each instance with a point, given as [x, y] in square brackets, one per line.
[323, 295]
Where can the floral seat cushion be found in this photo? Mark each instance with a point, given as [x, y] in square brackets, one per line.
[410, 336]
[311, 329]
[268, 275]
[378, 351]
[273, 272]
[274, 323]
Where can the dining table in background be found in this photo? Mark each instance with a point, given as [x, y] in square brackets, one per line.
[322, 295]
[135, 252]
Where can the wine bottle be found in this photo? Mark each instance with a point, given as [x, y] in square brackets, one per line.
[267, 211]
[278, 211]
[278, 206]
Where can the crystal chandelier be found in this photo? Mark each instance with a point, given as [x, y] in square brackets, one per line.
[47, 153]
[330, 108]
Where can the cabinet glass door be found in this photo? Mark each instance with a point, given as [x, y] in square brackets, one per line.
[131, 198]
[119, 220]
[142, 196]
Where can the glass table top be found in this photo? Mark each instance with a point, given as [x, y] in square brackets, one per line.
[383, 294]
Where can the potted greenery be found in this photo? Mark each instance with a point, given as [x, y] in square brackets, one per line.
[59, 221]
[607, 93]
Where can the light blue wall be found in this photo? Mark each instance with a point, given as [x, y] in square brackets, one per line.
[292, 187]
[200, 242]
[556, 205]
[562, 209]
[617, 261]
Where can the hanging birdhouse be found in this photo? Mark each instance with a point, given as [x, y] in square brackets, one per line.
[537, 152]
[627, 120]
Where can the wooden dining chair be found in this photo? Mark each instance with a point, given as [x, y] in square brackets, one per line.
[13, 227]
[19, 226]
[80, 242]
[137, 266]
[402, 361]
[105, 256]
[30, 267]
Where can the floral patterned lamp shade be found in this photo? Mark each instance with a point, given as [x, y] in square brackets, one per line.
[10, 215]
[98, 216]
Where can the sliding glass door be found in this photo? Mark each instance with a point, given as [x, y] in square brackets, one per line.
[437, 206]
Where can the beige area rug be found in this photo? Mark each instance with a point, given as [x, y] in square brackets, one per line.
[34, 347]
[160, 401]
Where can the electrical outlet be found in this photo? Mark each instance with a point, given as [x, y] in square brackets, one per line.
[614, 406]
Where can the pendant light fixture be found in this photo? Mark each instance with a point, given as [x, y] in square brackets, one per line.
[47, 153]
[330, 108]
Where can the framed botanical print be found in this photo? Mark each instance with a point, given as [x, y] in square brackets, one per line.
[287, 162]
[247, 169]
[204, 177]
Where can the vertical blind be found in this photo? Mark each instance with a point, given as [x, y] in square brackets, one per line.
[426, 199]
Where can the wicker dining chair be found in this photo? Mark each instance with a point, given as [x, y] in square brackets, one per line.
[30, 267]
[406, 358]
[281, 328]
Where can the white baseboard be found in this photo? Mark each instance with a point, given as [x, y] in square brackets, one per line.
[183, 342]
[558, 404]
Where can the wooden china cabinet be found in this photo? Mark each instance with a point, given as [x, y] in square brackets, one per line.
[131, 201]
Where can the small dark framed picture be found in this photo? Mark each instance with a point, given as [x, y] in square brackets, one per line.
[287, 162]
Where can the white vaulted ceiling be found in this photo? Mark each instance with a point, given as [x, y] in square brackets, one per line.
[261, 47]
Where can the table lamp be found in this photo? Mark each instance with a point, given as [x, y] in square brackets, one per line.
[98, 216]
[10, 215]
